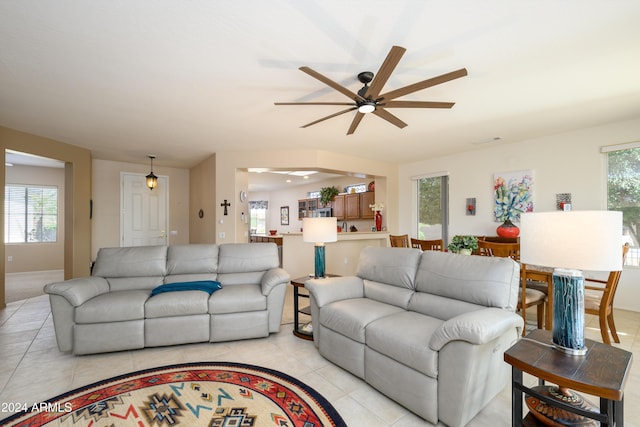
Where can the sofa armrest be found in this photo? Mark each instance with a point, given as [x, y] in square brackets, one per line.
[77, 291]
[476, 327]
[272, 278]
[330, 289]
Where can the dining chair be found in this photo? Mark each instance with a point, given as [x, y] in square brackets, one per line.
[428, 245]
[401, 241]
[526, 297]
[504, 250]
[598, 300]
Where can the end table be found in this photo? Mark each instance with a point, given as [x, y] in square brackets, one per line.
[299, 330]
[602, 372]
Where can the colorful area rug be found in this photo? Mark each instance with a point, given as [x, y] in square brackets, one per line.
[212, 394]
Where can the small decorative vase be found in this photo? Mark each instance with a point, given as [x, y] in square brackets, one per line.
[378, 221]
[465, 251]
[508, 229]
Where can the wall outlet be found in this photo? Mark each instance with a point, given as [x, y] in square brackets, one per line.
[10, 258]
[221, 234]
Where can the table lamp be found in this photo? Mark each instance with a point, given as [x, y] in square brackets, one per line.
[570, 242]
[319, 230]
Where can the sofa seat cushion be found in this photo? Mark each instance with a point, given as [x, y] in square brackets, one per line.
[405, 337]
[171, 304]
[116, 306]
[350, 317]
[236, 299]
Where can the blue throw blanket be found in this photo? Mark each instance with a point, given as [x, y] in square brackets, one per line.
[209, 286]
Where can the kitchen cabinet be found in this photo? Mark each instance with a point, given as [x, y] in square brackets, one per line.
[338, 207]
[352, 206]
[367, 199]
[307, 207]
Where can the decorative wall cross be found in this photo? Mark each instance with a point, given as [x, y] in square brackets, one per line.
[226, 205]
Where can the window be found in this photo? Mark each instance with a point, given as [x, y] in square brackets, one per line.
[356, 188]
[258, 216]
[30, 214]
[433, 208]
[623, 194]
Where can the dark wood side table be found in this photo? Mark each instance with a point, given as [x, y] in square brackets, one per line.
[602, 372]
[297, 327]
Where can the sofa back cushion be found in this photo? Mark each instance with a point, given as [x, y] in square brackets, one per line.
[138, 261]
[391, 266]
[192, 262]
[462, 283]
[246, 263]
[388, 294]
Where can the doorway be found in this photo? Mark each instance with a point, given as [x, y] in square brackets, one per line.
[34, 220]
[144, 212]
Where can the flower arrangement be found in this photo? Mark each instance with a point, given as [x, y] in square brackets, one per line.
[376, 207]
[512, 197]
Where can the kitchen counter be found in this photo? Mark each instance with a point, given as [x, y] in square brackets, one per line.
[341, 256]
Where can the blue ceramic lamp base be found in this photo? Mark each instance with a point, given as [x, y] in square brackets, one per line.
[319, 261]
[568, 311]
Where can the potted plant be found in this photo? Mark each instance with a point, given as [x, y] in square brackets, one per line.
[463, 244]
[327, 194]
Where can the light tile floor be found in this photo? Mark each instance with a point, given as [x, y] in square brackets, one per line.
[32, 369]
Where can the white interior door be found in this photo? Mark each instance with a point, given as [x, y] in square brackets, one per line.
[144, 212]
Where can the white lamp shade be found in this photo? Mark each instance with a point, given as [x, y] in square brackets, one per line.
[320, 229]
[581, 240]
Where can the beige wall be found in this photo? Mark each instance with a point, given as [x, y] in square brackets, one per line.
[77, 240]
[565, 163]
[106, 201]
[37, 256]
[202, 197]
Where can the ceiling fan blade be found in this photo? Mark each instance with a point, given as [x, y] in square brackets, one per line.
[313, 103]
[443, 78]
[354, 124]
[387, 67]
[343, 90]
[329, 117]
[382, 113]
[417, 104]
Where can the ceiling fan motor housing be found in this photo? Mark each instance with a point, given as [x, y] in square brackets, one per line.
[365, 77]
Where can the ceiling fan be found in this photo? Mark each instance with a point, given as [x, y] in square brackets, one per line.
[369, 100]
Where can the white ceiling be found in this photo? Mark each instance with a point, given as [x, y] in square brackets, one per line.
[184, 79]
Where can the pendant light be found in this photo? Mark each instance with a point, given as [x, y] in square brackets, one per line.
[152, 180]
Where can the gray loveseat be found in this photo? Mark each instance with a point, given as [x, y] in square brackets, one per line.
[426, 329]
[112, 310]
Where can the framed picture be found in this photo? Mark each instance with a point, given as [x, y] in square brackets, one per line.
[512, 195]
[284, 215]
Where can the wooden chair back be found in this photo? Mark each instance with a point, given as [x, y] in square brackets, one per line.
[504, 250]
[428, 245]
[602, 305]
[401, 241]
[526, 297]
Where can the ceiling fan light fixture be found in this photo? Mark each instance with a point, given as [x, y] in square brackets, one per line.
[366, 107]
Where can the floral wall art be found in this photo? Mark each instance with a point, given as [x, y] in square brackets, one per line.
[513, 195]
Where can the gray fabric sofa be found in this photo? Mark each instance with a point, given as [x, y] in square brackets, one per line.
[427, 329]
[112, 310]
